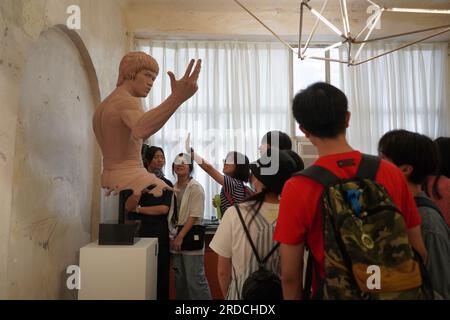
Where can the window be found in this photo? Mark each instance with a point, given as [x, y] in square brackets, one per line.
[405, 89]
[305, 73]
[243, 93]
[309, 71]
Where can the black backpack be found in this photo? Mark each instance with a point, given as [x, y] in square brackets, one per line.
[261, 284]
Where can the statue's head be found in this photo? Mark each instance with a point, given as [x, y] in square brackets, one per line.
[133, 63]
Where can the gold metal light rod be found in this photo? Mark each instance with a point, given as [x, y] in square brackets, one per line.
[349, 58]
[334, 45]
[401, 47]
[347, 36]
[413, 10]
[401, 34]
[313, 31]
[344, 14]
[372, 22]
[325, 59]
[373, 3]
[368, 34]
[326, 21]
[262, 23]
[300, 30]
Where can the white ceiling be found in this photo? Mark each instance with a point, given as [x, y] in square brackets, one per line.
[276, 3]
[281, 15]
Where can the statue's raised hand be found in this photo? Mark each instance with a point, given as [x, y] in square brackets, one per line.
[186, 87]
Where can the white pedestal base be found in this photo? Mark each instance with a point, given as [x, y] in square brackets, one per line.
[119, 272]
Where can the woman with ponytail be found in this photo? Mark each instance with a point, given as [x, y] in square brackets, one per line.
[259, 213]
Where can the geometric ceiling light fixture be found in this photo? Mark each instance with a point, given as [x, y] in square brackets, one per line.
[354, 41]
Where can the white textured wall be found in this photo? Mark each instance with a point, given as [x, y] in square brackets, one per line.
[47, 192]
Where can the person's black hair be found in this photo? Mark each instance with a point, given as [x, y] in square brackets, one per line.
[321, 109]
[410, 148]
[143, 150]
[443, 146]
[291, 162]
[298, 160]
[284, 141]
[242, 163]
[188, 159]
[149, 153]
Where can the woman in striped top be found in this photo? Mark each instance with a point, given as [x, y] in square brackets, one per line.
[236, 172]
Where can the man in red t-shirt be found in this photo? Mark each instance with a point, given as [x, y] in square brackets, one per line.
[322, 113]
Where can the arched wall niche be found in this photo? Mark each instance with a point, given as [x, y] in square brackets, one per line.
[56, 193]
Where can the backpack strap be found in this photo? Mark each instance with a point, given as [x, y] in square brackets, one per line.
[312, 269]
[427, 203]
[368, 167]
[236, 284]
[274, 248]
[230, 199]
[228, 196]
[319, 174]
[260, 262]
[174, 217]
[307, 290]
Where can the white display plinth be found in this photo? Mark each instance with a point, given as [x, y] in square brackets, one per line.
[119, 272]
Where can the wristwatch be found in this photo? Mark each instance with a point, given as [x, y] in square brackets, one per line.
[137, 209]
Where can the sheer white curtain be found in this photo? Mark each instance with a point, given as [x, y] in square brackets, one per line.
[243, 93]
[407, 89]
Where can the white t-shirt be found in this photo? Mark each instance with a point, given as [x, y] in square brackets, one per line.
[230, 241]
[191, 203]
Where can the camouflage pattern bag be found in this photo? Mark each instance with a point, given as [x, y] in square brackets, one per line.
[367, 252]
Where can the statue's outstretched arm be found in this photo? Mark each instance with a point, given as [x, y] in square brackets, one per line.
[145, 124]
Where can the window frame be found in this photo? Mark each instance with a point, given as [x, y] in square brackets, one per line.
[293, 124]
